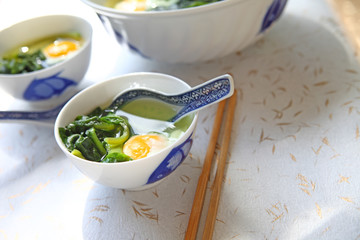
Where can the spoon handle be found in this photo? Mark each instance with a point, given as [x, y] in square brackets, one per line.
[195, 99]
[35, 115]
[203, 95]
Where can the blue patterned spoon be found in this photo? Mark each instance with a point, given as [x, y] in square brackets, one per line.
[192, 100]
[41, 117]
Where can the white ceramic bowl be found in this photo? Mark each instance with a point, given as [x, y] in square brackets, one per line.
[194, 34]
[138, 174]
[57, 83]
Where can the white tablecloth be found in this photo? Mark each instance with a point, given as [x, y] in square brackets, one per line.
[293, 166]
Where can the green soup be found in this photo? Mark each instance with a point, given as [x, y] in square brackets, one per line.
[39, 54]
[117, 135]
[148, 108]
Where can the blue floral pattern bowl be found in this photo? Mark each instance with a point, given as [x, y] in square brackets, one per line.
[171, 161]
[55, 84]
[193, 34]
[137, 174]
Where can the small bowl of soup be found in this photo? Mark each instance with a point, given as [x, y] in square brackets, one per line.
[187, 31]
[133, 147]
[43, 60]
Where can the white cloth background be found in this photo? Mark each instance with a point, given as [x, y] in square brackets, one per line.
[293, 167]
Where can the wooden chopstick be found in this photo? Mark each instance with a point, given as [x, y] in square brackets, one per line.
[348, 13]
[215, 195]
[196, 210]
[204, 177]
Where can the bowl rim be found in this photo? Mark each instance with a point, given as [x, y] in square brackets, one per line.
[105, 82]
[166, 13]
[85, 45]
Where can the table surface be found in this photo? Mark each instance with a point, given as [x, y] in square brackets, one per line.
[293, 165]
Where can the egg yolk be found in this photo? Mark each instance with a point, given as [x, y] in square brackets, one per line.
[131, 5]
[60, 48]
[141, 146]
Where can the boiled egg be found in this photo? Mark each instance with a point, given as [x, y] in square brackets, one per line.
[140, 146]
[60, 50]
[131, 5]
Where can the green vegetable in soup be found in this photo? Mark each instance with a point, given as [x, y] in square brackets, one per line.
[102, 134]
[191, 3]
[22, 63]
[98, 136]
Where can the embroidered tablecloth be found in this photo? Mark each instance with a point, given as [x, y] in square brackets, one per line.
[293, 162]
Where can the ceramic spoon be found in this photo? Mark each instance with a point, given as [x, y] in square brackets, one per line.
[41, 117]
[184, 103]
[194, 99]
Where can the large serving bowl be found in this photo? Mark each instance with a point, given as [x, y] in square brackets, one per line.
[193, 34]
[137, 174]
[54, 84]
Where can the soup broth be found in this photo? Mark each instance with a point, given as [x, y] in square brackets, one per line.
[40, 54]
[151, 115]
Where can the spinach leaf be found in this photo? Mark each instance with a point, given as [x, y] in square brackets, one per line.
[116, 155]
[88, 149]
[192, 3]
[98, 136]
[22, 63]
[160, 5]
